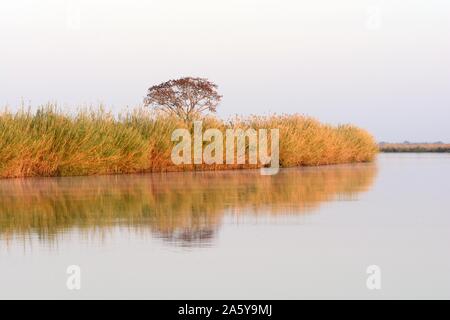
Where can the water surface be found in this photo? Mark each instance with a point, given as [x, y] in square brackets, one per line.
[304, 233]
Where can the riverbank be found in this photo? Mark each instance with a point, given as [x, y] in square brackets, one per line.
[50, 142]
[415, 147]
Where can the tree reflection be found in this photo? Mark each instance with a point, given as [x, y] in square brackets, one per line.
[182, 208]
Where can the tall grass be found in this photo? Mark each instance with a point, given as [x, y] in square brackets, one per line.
[50, 142]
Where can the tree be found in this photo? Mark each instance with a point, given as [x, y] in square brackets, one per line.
[186, 98]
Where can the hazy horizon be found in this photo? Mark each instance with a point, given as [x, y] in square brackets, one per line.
[381, 65]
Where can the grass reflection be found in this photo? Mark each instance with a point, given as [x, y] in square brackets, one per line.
[186, 208]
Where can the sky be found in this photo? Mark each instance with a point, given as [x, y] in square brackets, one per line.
[381, 65]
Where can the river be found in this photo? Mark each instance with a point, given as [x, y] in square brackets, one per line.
[303, 233]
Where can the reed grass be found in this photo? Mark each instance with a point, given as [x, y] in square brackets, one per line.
[49, 142]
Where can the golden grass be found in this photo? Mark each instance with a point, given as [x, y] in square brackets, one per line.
[50, 142]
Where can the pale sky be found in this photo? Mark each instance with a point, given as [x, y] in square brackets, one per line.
[382, 65]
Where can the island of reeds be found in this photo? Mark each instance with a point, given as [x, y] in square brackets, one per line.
[50, 142]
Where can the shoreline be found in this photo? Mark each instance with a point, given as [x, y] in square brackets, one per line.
[204, 169]
[414, 148]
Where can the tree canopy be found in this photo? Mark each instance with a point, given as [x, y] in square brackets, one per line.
[186, 98]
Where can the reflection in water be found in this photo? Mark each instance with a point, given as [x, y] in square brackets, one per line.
[183, 208]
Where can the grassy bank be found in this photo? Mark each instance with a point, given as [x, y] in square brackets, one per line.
[52, 143]
[414, 147]
[187, 206]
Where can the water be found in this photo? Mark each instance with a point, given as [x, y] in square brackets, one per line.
[304, 233]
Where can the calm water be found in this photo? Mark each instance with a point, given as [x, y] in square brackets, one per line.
[304, 233]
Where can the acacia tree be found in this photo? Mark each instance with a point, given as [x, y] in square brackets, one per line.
[186, 98]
